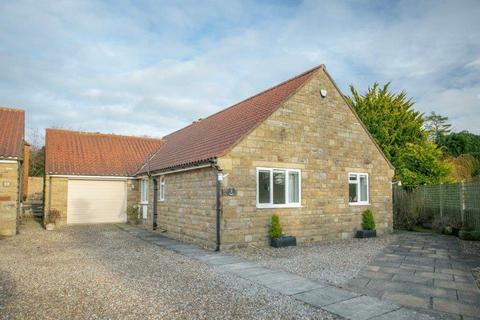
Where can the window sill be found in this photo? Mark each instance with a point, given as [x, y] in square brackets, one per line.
[143, 202]
[359, 203]
[281, 206]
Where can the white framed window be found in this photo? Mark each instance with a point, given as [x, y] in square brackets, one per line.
[358, 188]
[161, 189]
[278, 188]
[144, 191]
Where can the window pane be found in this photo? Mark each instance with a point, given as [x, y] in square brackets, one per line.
[264, 187]
[352, 192]
[144, 191]
[279, 187]
[293, 187]
[353, 177]
[363, 188]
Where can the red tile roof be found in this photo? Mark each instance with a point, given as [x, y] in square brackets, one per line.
[216, 135]
[12, 132]
[87, 153]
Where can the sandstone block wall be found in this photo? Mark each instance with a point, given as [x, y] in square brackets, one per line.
[323, 138]
[35, 188]
[9, 198]
[56, 188]
[188, 212]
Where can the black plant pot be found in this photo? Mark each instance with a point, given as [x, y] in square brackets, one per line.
[366, 234]
[284, 241]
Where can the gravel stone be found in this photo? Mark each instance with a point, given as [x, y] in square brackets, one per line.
[334, 262]
[101, 272]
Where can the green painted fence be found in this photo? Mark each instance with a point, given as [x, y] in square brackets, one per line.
[457, 205]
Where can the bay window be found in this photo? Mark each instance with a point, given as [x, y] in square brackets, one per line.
[278, 188]
[358, 188]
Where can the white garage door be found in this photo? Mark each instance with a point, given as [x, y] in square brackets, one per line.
[96, 201]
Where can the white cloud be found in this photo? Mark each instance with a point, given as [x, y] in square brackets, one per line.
[148, 68]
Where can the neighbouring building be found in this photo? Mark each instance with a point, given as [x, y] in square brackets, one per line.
[89, 176]
[13, 167]
[298, 150]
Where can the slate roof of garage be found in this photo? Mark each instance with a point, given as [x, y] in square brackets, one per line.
[214, 136]
[87, 153]
[12, 131]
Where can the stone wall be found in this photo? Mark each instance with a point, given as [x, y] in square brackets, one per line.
[57, 189]
[324, 139]
[35, 188]
[188, 212]
[9, 198]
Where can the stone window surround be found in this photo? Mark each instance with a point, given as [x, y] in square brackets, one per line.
[287, 204]
[359, 203]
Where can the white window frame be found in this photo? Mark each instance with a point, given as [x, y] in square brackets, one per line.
[161, 189]
[144, 191]
[287, 186]
[359, 203]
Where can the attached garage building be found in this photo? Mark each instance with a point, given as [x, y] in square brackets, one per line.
[89, 175]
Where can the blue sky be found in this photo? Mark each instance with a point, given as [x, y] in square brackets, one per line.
[151, 67]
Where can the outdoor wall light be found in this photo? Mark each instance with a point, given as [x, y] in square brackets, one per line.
[323, 93]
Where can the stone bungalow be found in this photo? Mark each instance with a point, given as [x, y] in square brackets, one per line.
[297, 150]
[13, 155]
[89, 176]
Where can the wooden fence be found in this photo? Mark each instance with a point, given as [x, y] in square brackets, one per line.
[457, 205]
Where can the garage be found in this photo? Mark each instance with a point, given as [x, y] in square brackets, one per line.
[96, 201]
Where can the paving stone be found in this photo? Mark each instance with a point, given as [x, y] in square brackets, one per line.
[397, 270]
[453, 271]
[456, 307]
[413, 279]
[407, 299]
[274, 277]
[325, 296]
[238, 266]
[386, 264]
[295, 286]
[434, 275]
[426, 262]
[216, 260]
[464, 286]
[251, 272]
[413, 288]
[376, 275]
[469, 297]
[404, 314]
[361, 308]
[446, 264]
[468, 278]
[359, 282]
[416, 267]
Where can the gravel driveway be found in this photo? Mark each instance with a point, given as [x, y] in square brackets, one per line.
[101, 272]
[335, 262]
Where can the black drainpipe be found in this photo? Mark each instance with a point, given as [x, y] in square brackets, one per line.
[218, 204]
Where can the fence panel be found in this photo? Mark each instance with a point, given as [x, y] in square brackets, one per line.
[457, 205]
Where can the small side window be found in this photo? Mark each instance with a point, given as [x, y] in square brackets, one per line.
[358, 188]
[161, 189]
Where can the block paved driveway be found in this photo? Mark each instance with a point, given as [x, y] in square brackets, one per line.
[427, 272]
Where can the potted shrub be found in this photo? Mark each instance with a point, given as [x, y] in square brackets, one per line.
[133, 214]
[277, 238]
[53, 216]
[368, 225]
